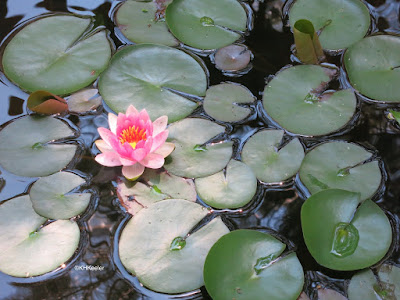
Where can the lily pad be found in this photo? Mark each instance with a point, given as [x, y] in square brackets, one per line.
[246, 264]
[365, 286]
[394, 115]
[61, 58]
[51, 197]
[230, 188]
[84, 101]
[344, 233]
[373, 67]
[341, 165]
[155, 185]
[232, 58]
[133, 78]
[32, 153]
[221, 102]
[27, 249]
[194, 156]
[206, 24]
[140, 23]
[341, 22]
[296, 99]
[155, 247]
[270, 164]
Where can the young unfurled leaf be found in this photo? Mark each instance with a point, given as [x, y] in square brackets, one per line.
[46, 103]
[308, 47]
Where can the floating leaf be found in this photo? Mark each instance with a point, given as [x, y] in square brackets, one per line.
[28, 249]
[46, 103]
[51, 197]
[194, 156]
[32, 153]
[341, 23]
[269, 164]
[308, 47]
[60, 58]
[84, 101]
[230, 270]
[155, 247]
[341, 165]
[232, 58]
[364, 241]
[133, 78]
[394, 115]
[232, 188]
[221, 102]
[373, 67]
[296, 99]
[206, 24]
[328, 294]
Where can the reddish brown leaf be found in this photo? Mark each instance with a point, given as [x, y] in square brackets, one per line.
[46, 103]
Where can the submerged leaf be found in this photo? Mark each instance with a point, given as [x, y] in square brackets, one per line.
[84, 101]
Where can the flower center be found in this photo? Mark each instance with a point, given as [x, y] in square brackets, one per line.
[132, 135]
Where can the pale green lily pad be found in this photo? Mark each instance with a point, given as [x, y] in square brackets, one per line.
[145, 75]
[230, 188]
[206, 24]
[394, 115]
[242, 266]
[296, 100]
[154, 186]
[342, 236]
[30, 152]
[373, 67]
[340, 165]
[194, 156]
[54, 54]
[221, 102]
[155, 247]
[51, 197]
[138, 22]
[269, 164]
[28, 249]
[365, 286]
[334, 18]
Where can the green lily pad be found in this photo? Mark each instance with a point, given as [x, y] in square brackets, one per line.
[55, 54]
[243, 264]
[296, 100]
[269, 164]
[139, 22]
[341, 165]
[231, 188]
[133, 78]
[373, 64]
[31, 153]
[51, 197]
[394, 115]
[28, 249]
[221, 102]
[155, 185]
[155, 247]
[341, 22]
[194, 156]
[206, 24]
[342, 236]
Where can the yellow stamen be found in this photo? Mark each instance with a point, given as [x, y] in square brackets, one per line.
[132, 135]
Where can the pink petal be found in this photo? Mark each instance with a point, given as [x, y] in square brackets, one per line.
[131, 110]
[143, 115]
[127, 161]
[132, 172]
[103, 146]
[108, 159]
[112, 122]
[153, 161]
[158, 140]
[139, 154]
[109, 137]
[159, 125]
[165, 149]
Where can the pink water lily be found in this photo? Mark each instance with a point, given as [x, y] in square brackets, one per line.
[134, 142]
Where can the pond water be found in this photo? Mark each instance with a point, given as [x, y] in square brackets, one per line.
[277, 208]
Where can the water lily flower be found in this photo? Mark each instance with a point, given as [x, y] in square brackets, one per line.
[134, 142]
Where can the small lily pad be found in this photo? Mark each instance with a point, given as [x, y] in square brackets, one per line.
[247, 264]
[55, 54]
[344, 233]
[333, 18]
[232, 58]
[206, 24]
[84, 101]
[140, 23]
[221, 102]
[296, 98]
[32, 153]
[230, 188]
[51, 197]
[270, 164]
[373, 67]
[341, 165]
[27, 249]
[194, 155]
[133, 78]
[46, 103]
[155, 247]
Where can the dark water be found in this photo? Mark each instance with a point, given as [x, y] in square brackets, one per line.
[278, 208]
